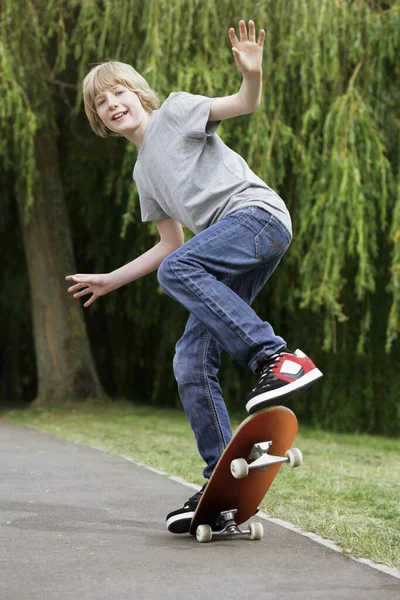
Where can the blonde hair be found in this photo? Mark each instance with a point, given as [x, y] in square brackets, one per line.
[106, 75]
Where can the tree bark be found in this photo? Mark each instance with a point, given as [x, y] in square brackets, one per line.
[65, 365]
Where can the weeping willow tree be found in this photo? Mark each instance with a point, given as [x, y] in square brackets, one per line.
[326, 138]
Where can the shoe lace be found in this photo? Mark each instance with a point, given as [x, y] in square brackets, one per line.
[195, 499]
[268, 371]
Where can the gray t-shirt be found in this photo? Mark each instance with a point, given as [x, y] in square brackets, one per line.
[185, 171]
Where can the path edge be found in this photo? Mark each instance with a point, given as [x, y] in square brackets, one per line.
[386, 569]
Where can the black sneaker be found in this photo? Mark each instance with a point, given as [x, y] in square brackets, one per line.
[179, 520]
[285, 374]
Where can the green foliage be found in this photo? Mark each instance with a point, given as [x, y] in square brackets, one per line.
[326, 138]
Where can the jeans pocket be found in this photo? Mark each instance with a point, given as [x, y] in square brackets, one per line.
[272, 242]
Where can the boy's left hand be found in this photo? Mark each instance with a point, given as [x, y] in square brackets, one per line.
[247, 52]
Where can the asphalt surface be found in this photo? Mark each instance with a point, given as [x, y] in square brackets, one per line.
[79, 524]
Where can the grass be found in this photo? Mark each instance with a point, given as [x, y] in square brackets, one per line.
[347, 490]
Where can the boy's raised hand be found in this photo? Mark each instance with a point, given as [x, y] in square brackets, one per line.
[247, 52]
[97, 285]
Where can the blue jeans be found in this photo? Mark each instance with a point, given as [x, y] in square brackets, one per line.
[216, 275]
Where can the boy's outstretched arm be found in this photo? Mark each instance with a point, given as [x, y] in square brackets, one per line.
[99, 284]
[248, 56]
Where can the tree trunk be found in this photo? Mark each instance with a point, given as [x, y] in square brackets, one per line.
[65, 366]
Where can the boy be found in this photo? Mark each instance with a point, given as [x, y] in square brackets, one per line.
[186, 174]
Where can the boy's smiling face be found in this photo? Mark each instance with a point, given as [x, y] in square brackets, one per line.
[122, 112]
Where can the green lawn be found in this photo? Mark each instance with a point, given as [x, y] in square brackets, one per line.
[347, 490]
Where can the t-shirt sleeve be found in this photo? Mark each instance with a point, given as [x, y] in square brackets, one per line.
[191, 113]
[150, 210]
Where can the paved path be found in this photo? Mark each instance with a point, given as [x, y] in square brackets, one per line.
[80, 524]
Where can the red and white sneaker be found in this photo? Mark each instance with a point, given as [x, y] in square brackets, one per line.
[285, 374]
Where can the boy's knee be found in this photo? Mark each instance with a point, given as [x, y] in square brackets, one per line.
[165, 273]
[186, 366]
[179, 367]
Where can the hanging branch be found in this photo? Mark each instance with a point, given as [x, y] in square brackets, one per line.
[324, 137]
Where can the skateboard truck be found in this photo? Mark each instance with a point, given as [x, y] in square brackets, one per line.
[228, 528]
[262, 460]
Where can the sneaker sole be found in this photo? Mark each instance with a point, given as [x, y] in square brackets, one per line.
[180, 523]
[276, 397]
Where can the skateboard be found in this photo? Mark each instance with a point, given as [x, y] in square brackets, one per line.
[244, 474]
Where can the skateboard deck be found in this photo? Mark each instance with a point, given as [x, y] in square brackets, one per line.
[267, 436]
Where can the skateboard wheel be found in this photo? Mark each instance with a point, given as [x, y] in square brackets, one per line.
[295, 457]
[239, 468]
[203, 534]
[256, 531]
